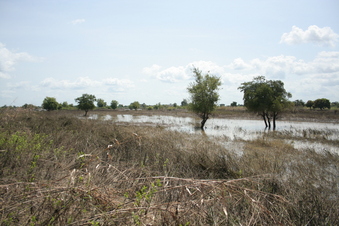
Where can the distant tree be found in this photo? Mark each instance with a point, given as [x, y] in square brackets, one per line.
[144, 106]
[101, 103]
[86, 102]
[299, 103]
[310, 104]
[28, 106]
[204, 95]
[50, 103]
[184, 103]
[135, 105]
[64, 104]
[322, 103]
[265, 97]
[175, 105]
[335, 104]
[157, 106]
[234, 104]
[114, 104]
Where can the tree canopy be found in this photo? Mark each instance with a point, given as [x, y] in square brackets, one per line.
[135, 105]
[101, 103]
[266, 97]
[50, 103]
[114, 104]
[204, 94]
[86, 102]
[322, 103]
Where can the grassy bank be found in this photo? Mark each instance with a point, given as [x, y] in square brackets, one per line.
[59, 169]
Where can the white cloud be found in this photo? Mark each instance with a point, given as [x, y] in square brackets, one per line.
[79, 83]
[321, 36]
[8, 59]
[182, 73]
[78, 21]
[239, 64]
[120, 82]
[85, 82]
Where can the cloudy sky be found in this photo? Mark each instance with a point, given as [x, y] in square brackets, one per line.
[144, 50]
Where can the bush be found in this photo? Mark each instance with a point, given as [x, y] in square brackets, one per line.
[58, 169]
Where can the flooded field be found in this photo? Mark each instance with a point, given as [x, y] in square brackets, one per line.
[302, 135]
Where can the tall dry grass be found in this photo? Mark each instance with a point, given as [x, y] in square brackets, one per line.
[58, 169]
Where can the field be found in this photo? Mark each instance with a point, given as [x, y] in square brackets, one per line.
[59, 169]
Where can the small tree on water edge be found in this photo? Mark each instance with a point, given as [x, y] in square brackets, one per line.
[204, 95]
[86, 102]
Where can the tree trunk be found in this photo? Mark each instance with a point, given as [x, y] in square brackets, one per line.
[264, 117]
[275, 114]
[86, 113]
[268, 120]
[203, 123]
[204, 119]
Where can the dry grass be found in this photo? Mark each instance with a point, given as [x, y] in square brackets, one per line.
[56, 169]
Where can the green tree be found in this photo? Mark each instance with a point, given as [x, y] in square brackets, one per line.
[234, 104]
[135, 105]
[310, 104]
[299, 103]
[114, 104]
[322, 103]
[64, 104]
[204, 95]
[101, 103]
[86, 102]
[50, 103]
[266, 97]
[184, 103]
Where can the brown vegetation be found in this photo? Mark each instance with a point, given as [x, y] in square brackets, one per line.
[58, 169]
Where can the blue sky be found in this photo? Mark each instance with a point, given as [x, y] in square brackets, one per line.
[135, 50]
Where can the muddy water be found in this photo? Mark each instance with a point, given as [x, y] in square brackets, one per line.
[239, 129]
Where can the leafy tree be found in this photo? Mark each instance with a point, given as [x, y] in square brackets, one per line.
[101, 103]
[234, 104]
[86, 102]
[64, 104]
[144, 106]
[265, 97]
[50, 103]
[114, 104]
[299, 103]
[335, 104]
[184, 103]
[175, 105]
[310, 104]
[322, 103]
[157, 106]
[204, 95]
[135, 105]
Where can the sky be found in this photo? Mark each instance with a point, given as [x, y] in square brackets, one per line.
[144, 50]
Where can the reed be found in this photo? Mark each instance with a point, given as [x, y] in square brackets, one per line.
[59, 169]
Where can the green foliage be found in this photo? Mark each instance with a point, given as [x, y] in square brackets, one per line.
[322, 103]
[184, 103]
[114, 104]
[310, 104]
[101, 103]
[204, 94]
[50, 103]
[299, 103]
[86, 102]
[266, 97]
[135, 105]
[234, 104]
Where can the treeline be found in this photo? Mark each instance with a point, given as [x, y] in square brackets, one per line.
[87, 102]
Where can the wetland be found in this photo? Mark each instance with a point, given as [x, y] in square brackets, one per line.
[156, 168]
